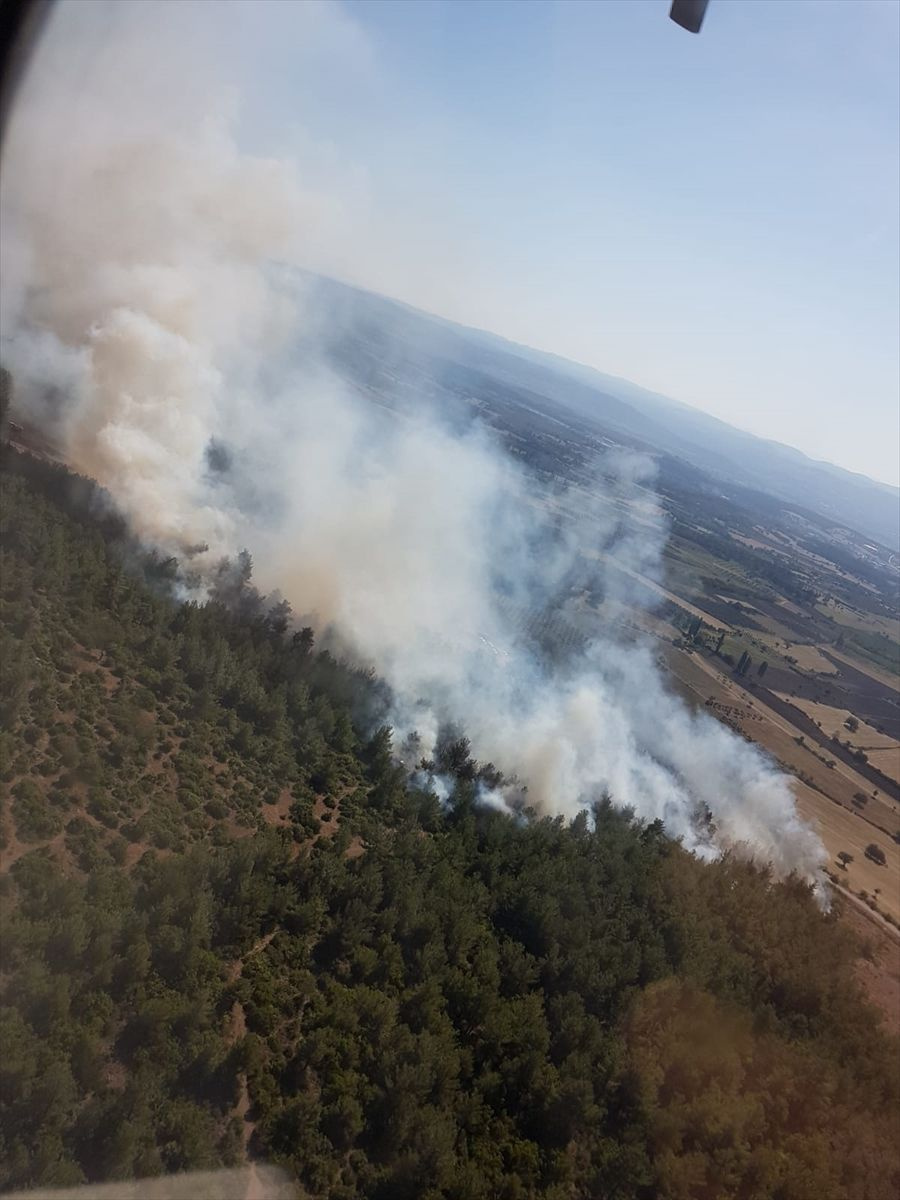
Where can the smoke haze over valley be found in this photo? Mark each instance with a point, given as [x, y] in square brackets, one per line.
[166, 336]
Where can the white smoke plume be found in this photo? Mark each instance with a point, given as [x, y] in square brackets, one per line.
[145, 321]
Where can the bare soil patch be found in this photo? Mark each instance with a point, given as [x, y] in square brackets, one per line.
[87, 662]
[279, 813]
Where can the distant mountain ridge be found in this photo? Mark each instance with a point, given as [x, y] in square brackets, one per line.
[754, 460]
[619, 406]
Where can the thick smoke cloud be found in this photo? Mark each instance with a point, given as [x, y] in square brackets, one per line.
[152, 336]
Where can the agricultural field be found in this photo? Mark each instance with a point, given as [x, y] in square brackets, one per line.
[818, 691]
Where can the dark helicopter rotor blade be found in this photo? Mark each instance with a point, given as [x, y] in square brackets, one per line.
[688, 14]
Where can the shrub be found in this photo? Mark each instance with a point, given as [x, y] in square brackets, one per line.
[35, 819]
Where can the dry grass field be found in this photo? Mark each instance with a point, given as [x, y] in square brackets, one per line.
[887, 761]
[889, 626]
[879, 674]
[832, 721]
[843, 830]
[824, 795]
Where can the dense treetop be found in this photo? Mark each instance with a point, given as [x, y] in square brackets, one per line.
[232, 928]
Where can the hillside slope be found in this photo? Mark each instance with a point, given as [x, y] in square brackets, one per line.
[232, 927]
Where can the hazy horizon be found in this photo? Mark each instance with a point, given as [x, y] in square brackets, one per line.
[673, 400]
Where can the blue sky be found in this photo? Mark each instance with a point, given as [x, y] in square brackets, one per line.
[713, 217]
